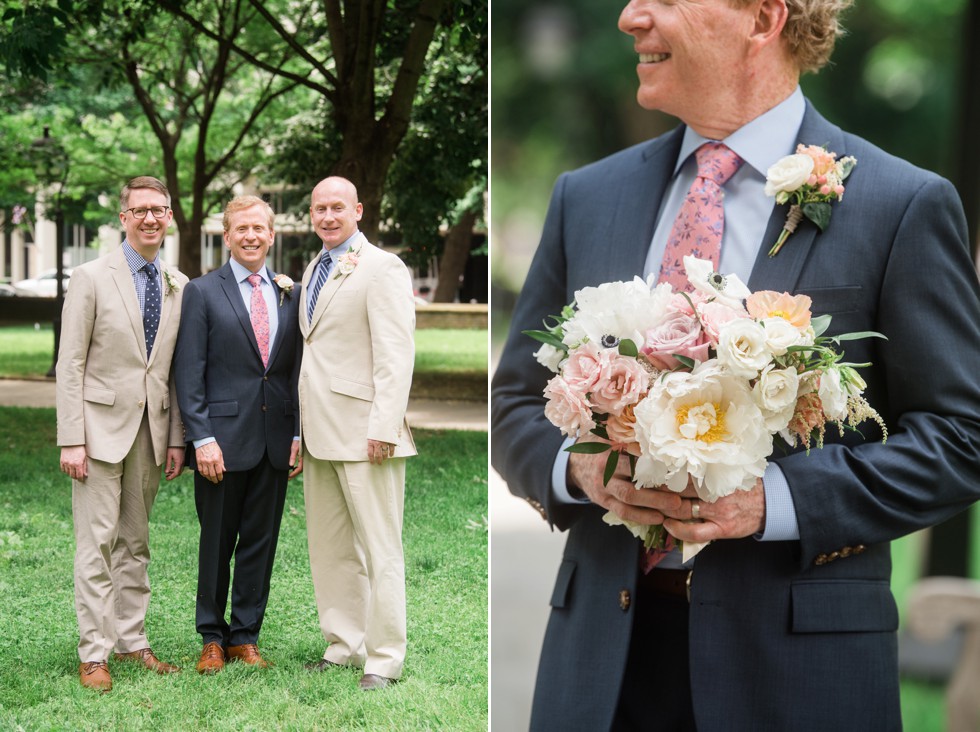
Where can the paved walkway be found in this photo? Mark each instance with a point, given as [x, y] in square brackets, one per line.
[422, 413]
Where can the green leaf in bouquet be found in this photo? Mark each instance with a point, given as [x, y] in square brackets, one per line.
[818, 213]
[685, 361]
[588, 448]
[611, 462]
[858, 336]
[820, 324]
[549, 339]
[628, 348]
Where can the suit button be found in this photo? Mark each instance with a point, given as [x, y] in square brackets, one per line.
[140, 403]
[624, 600]
[265, 378]
[264, 408]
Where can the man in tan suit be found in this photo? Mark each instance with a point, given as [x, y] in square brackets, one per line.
[118, 422]
[357, 322]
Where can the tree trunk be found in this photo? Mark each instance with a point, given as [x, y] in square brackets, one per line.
[452, 263]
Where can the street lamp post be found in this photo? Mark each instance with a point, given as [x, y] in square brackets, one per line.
[51, 169]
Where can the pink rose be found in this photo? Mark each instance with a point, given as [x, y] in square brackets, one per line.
[678, 335]
[714, 315]
[582, 368]
[567, 409]
[621, 382]
[621, 429]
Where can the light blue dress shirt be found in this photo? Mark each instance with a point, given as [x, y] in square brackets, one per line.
[335, 254]
[760, 144]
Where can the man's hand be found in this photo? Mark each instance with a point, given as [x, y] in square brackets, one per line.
[620, 495]
[74, 462]
[378, 451]
[295, 459]
[741, 514]
[210, 462]
[174, 462]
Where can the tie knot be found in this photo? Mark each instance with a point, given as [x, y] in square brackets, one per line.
[717, 162]
[254, 280]
[150, 269]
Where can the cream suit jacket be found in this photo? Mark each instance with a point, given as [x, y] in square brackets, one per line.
[104, 381]
[358, 356]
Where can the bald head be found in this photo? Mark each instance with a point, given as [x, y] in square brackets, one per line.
[335, 210]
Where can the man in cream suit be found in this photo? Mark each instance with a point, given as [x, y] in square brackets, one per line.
[357, 322]
[118, 422]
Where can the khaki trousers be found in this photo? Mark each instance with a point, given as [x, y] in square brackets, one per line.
[111, 511]
[354, 525]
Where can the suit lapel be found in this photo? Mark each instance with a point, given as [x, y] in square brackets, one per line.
[234, 294]
[335, 281]
[782, 272]
[122, 276]
[638, 200]
[282, 310]
[167, 304]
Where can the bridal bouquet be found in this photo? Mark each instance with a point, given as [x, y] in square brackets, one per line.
[693, 387]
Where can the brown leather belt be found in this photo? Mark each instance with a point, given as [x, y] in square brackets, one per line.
[673, 582]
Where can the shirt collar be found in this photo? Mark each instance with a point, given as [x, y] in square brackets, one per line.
[340, 249]
[761, 142]
[135, 260]
[242, 272]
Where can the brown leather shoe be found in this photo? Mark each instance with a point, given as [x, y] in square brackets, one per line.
[151, 662]
[247, 653]
[212, 659]
[95, 675]
[373, 682]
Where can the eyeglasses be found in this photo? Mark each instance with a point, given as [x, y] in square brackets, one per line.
[158, 211]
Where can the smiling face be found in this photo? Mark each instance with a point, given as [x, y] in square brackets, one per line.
[146, 235]
[249, 236]
[695, 58]
[335, 211]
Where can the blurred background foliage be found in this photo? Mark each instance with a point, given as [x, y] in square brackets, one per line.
[563, 87]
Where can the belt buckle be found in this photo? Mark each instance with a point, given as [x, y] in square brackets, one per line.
[687, 584]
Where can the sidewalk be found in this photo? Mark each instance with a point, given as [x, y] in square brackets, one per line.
[422, 413]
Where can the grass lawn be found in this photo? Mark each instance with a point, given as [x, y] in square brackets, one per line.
[445, 682]
[25, 351]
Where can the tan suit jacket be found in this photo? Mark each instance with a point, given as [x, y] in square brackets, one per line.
[104, 380]
[358, 358]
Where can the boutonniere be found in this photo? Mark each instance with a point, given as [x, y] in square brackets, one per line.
[286, 285]
[347, 261]
[172, 285]
[812, 179]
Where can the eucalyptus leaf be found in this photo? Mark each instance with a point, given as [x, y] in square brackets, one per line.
[818, 213]
[588, 448]
[547, 338]
[820, 324]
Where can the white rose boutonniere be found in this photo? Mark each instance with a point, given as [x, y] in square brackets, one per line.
[811, 179]
[286, 285]
[347, 262]
[172, 285]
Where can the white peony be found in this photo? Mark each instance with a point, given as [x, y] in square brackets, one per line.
[550, 357]
[704, 424]
[775, 393]
[617, 309]
[726, 289]
[788, 174]
[742, 347]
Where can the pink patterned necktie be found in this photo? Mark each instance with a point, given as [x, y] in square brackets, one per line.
[260, 317]
[697, 231]
[700, 223]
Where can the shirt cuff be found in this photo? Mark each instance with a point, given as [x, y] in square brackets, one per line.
[559, 472]
[203, 441]
[781, 524]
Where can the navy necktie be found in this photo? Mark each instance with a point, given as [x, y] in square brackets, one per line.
[151, 307]
[322, 272]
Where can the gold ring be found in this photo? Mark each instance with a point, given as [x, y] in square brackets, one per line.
[696, 510]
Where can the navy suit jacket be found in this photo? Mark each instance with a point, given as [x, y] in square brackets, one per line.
[795, 635]
[249, 409]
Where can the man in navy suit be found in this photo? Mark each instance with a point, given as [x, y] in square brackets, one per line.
[786, 621]
[237, 366]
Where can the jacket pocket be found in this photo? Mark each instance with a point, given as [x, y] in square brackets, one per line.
[99, 395]
[223, 409]
[830, 300]
[843, 606]
[352, 388]
[563, 584]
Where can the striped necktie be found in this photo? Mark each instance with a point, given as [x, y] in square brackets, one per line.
[322, 272]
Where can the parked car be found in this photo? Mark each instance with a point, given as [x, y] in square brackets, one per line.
[44, 285]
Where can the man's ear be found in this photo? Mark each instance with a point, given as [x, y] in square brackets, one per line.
[770, 19]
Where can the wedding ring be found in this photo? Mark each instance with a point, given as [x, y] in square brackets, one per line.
[696, 510]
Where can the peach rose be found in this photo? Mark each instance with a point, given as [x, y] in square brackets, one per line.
[567, 409]
[621, 382]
